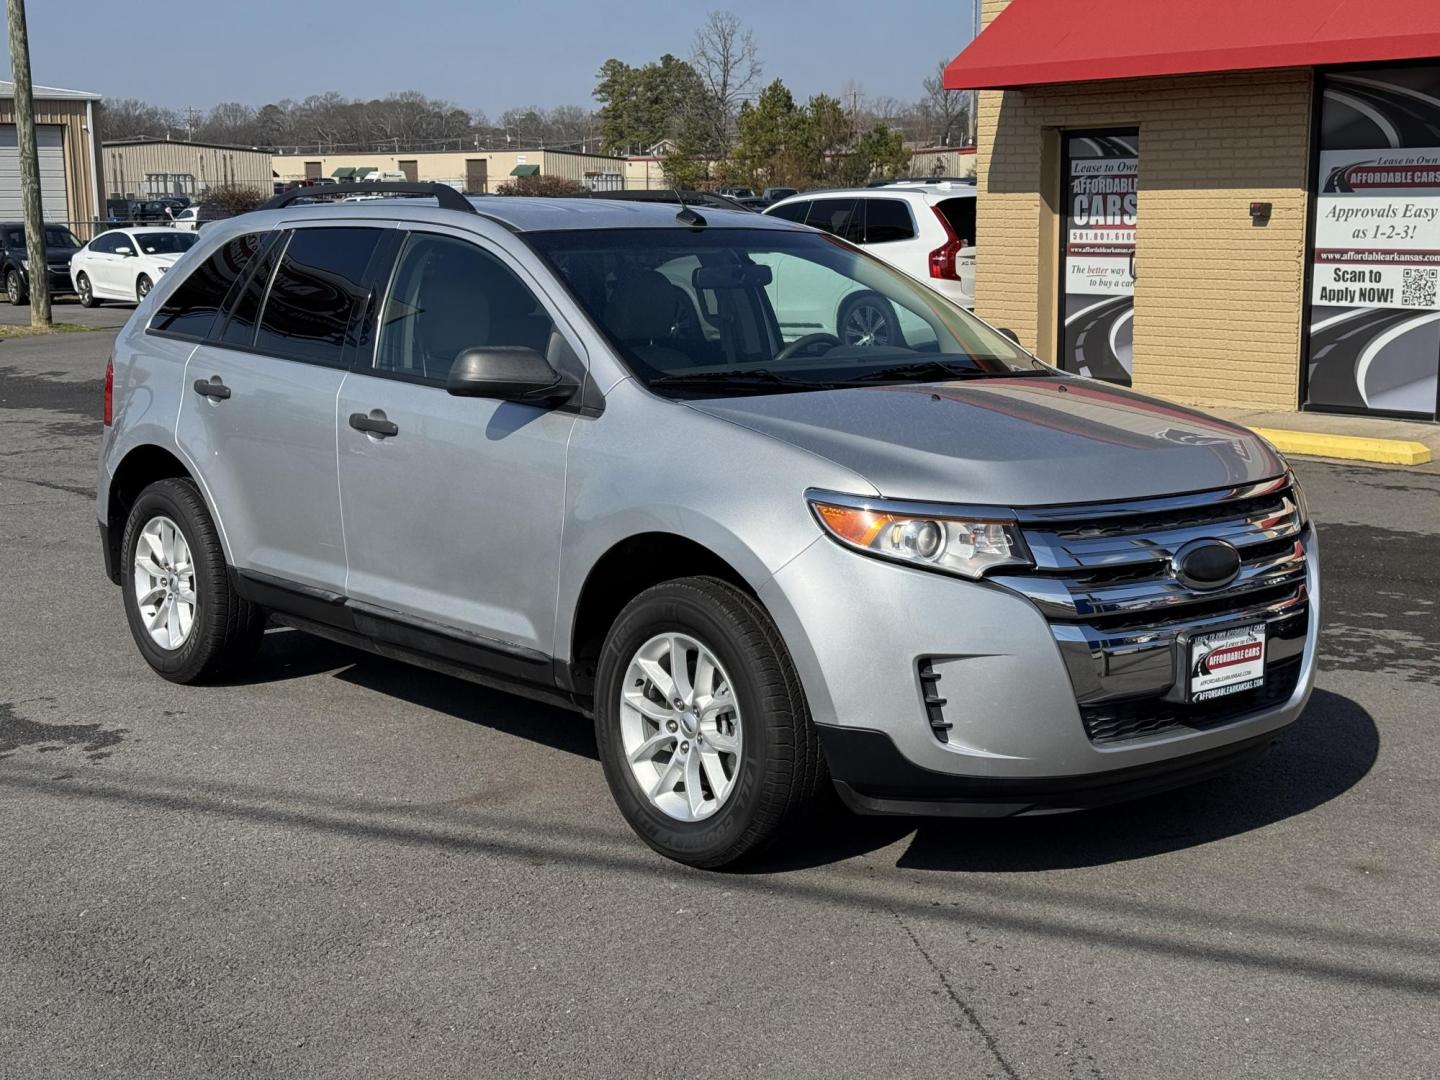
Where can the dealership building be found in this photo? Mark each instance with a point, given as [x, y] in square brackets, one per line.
[1220, 202]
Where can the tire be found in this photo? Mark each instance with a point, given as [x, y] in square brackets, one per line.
[15, 290]
[778, 767]
[143, 285]
[224, 630]
[868, 319]
[85, 291]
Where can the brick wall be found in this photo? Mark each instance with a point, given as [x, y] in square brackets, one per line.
[1218, 300]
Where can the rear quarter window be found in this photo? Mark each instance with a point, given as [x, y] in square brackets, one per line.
[795, 211]
[317, 286]
[887, 220]
[190, 310]
[960, 213]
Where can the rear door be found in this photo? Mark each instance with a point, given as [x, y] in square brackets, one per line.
[453, 512]
[100, 262]
[259, 409]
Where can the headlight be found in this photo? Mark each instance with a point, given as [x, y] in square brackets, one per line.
[162, 269]
[951, 539]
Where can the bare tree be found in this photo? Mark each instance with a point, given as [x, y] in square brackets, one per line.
[723, 54]
[131, 118]
[948, 111]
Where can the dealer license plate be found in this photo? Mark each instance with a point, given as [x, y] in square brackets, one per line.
[1225, 662]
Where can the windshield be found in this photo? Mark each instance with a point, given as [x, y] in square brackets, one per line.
[716, 311]
[56, 236]
[168, 242]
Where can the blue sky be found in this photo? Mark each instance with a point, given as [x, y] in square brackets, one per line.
[489, 55]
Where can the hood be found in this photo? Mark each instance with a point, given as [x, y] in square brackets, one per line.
[59, 255]
[1009, 441]
[168, 258]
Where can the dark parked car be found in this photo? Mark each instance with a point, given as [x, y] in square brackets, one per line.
[773, 195]
[60, 246]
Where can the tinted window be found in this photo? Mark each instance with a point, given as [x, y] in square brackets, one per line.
[960, 213]
[836, 216]
[105, 245]
[795, 211]
[167, 242]
[887, 220]
[448, 296]
[245, 309]
[314, 294]
[191, 309]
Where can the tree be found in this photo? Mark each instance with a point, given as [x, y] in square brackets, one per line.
[724, 57]
[131, 118]
[878, 152]
[947, 112]
[643, 106]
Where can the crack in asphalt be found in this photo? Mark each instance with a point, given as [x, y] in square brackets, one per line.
[965, 1008]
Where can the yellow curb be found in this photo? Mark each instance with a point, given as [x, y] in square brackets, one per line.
[1348, 447]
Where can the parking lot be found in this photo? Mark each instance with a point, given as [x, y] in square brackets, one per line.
[341, 866]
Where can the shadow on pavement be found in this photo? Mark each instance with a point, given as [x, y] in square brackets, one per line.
[1329, 749]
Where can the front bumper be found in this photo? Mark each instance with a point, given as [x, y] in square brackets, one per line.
[863, 632]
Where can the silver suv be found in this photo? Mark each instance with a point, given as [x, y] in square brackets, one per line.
[605, 454]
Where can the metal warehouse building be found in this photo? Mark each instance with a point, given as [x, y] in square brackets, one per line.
[474, 171]
[69, 163]
[150, 168]
[1218, 201]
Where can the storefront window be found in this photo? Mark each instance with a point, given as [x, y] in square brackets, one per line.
[1101, 169]
[1374, 319]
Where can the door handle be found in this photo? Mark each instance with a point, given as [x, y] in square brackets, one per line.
[374, 424]
[213, 389]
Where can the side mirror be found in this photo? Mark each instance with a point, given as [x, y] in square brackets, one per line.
[1010, 334]
[510, 373]
[124, 251]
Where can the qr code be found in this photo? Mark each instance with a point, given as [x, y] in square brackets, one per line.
[1419, 286]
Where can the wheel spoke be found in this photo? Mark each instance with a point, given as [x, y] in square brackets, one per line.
[149, 565]
[172, 623]
[186, 595]
[162, 612]
[704, 676]
[659, 676]
[152, 541]
[714, 770]
[637, 699]
[680, 668]
[151, 597]
[719, 702]
[722, 742]
[651, 746]
[694, 795]
[669, 776]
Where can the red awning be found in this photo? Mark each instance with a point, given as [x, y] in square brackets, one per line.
[1034, 42]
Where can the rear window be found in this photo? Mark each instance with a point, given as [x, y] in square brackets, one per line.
[316, 289]
[887, 220]
[191, 309]
[960, 213]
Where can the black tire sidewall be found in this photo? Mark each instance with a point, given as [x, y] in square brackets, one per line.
[86, 290]
[166, 498]
[683, 610]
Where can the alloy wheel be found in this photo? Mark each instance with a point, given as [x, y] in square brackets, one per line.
[83, 284]
[680, 726]
[164, 582]
[142, 287]
[866, 324]
[12, 287]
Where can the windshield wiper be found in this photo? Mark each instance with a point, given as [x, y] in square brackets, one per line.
[932, 371]
[745, 377]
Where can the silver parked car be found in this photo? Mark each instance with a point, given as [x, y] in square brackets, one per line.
[604, 454]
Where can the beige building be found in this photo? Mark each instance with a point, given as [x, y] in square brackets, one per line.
[69, 162]
[1203, 208]
[149, 168]
[475, 171]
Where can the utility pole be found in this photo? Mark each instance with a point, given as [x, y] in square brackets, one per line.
[38, 271]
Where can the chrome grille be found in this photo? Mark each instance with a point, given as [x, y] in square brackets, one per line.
[1105, 581]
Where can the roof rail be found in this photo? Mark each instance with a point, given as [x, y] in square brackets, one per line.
[444, 194]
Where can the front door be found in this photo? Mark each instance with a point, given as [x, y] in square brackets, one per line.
[1100, 170]
[453, 505]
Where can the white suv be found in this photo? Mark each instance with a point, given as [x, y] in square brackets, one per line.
[925, 229]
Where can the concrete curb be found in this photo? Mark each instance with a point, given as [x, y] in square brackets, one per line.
[1347, 447]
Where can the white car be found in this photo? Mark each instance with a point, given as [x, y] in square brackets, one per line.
[925, 229]
[123, 264]
[187, 220]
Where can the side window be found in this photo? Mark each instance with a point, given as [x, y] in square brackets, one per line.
[836, 216]
[191, 309]
[448, 295]
[245, 309]
[314, 294]
[795, 211]
[960, 213]
[105, 243]
[887, 220]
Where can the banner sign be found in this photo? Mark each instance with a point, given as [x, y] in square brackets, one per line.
[1377, 229]
[1100, 226]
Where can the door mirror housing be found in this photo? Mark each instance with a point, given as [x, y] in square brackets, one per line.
[510, 373]
[1010, 334]
[124, 251]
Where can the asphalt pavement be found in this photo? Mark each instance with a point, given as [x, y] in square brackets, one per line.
[344, 867]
